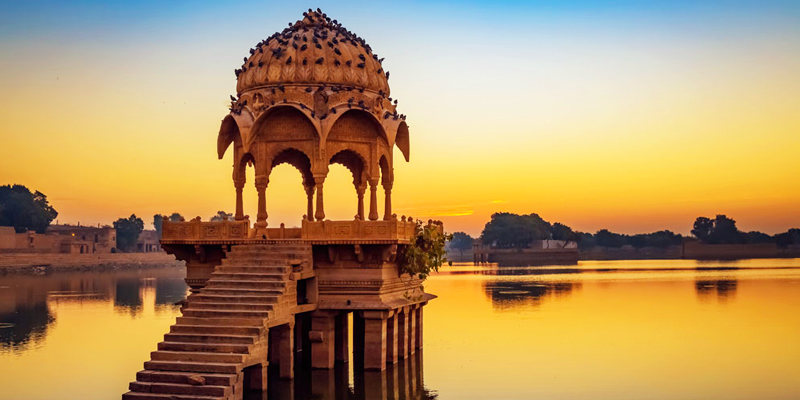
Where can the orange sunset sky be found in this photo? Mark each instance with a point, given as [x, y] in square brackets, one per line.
[627, 117]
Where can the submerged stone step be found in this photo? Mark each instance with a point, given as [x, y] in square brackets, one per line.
[180, 389]
[157, 396]
[185, 377]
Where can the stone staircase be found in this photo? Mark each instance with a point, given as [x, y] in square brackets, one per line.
[224, 327]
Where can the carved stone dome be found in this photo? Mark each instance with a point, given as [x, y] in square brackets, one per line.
[315, 50]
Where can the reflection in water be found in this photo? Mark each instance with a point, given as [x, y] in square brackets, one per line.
[723, 288]
[26, 302]
[128, 296]
[512, 294]
[25, 325]
[400, 382]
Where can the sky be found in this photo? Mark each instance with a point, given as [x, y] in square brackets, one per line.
[597, 114]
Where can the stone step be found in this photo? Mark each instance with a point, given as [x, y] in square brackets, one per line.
[248, 276]
[212, 298]
[204, 347]
[244, 322]
[156, 396]
[184, 377]
[223, 291]
[244, 284]
[196, 356]
[206, 313]
[269, 269]
[254, 262]
[180, 389]
[208, 338]
[218, 329]
[203, 305]
[184, 366]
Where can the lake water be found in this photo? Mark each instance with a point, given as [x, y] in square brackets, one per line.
[675, 329]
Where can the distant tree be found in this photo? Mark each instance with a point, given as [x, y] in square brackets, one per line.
[788, 238]
[158, 221]
[759, 237]
[725, 231]
[128, 231]
[702, 228]
[720, 230]
[175, 217]
[506, 230]
[461, 241]
[606, 238]
[585, 240]
[25, 210]
[221, 216]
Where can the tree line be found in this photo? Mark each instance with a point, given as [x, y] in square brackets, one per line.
[508, 230]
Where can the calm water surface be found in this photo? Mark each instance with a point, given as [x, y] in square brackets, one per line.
[673, 329]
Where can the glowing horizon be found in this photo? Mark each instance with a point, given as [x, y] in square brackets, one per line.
[627, 117]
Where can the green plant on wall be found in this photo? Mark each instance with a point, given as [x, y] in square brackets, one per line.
[425, 253]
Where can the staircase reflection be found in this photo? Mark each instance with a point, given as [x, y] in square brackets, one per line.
[402, 381]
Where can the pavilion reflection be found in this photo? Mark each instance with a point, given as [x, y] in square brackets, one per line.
[515, 294]
[722, 289]
[27, 303]
[402, 381]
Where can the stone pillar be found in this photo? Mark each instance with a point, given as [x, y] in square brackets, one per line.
[342, 353]
[373, 200]
[285, 350]
[322, 337]
[412, 330]
[360, 191]
[387, 209]
[402, 333]
[418, 344]
[320, 214]
[391, 338]
[310, 195]
[375, 340]
[261, 188]
[239, 185]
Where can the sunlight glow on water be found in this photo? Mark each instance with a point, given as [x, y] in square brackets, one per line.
[674, 329]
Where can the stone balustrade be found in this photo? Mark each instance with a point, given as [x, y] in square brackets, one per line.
[196, 230]
[327, 230]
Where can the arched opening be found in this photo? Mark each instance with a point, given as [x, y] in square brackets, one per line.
[245, 170]
[290, 182]
[346, 176]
